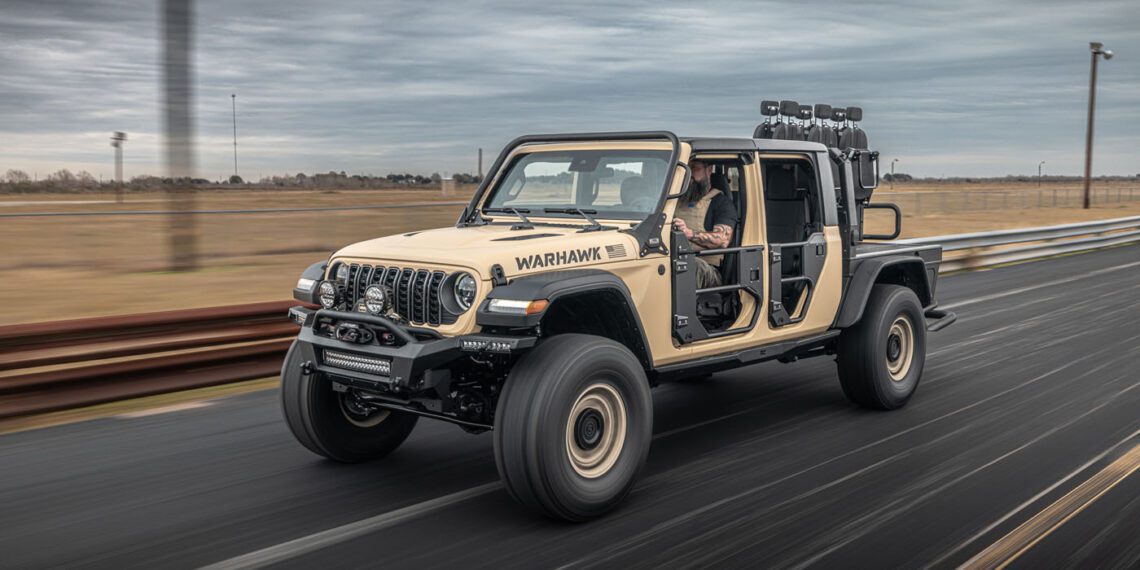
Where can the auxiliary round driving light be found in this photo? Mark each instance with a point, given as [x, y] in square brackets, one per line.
[377, 300]
[326, 294]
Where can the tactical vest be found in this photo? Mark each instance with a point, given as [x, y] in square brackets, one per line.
[694, 215]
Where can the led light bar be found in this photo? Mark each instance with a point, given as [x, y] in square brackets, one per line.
[358, 362]
[482, 345]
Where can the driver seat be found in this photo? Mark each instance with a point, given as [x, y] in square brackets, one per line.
[633, 188]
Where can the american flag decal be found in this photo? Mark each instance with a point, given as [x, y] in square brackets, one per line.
[615, 251]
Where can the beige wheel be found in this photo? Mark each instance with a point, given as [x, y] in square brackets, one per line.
[595, 430]
[881, 357]
[573, 426]
[900, 348]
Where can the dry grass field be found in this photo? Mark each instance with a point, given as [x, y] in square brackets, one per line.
[68, 267]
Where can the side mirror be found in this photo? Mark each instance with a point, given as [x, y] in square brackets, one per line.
[898, 220]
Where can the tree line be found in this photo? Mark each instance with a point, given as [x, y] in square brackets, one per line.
[66, 181]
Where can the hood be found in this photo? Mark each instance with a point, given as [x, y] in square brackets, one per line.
[541, 249]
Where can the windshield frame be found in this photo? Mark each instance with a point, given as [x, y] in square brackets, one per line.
[569, 153]
[640, 139]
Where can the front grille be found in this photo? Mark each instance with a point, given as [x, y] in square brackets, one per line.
[358, 362]
[415, 292]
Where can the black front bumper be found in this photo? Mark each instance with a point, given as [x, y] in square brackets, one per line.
[416, 359]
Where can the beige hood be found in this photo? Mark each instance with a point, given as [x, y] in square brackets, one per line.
[519, 252]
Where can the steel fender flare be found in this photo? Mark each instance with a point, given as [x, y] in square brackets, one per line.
[552, 286]
[867, 274]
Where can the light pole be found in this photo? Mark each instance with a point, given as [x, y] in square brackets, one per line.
[117, 140]
[1097, 49]
[1039, 165]
[893, 173]
[233, 100]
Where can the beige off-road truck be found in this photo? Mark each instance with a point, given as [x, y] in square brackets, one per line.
[563, 294]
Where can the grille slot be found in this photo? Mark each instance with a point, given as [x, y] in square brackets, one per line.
[415, 292]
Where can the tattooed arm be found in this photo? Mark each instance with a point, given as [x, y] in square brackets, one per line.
[718, 237]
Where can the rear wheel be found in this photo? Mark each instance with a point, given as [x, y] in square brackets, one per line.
[881, 357]
[337, 425]
[573, 426]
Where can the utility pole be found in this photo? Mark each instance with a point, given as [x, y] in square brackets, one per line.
[233, 99]
[178, 112]
[117, 140]
[1097, 49]
[480, 164]
[1042, 163]
[893, 173]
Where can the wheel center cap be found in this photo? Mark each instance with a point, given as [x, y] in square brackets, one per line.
[894, 347]
[588, 429]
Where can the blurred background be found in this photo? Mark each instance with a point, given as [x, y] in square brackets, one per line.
[167, 155]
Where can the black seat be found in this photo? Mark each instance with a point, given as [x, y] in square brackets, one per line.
[632, 189]
[784, 204]
[719, 181]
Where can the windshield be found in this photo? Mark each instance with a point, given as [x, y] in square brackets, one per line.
[619, 184]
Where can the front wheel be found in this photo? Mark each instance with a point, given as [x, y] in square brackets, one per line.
[337, 425]
[881, 357]
[573, 426]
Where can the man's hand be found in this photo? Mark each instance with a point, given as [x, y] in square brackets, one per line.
[679, 225]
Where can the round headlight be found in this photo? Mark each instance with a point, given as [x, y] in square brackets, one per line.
[377, 300]
[326, 294]
[465, 287]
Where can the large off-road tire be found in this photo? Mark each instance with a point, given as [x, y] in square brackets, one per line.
[573, 426]
[881, 357]
[331, 423]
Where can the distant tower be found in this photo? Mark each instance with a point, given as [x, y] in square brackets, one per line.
[233, 100]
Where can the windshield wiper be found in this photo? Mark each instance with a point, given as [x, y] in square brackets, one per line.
[520, 212]
[594, 225]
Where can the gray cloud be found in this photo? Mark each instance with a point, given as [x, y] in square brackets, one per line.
[964, 88]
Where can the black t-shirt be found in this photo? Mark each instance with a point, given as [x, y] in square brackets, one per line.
[722, 210]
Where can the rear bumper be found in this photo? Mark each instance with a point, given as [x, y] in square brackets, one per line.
[379, 355]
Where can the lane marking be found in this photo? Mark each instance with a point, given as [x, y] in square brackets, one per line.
[323, 539]
[1028, 288]
[1030, 501]
[632, 541]
[1010, 547]
[163, 410]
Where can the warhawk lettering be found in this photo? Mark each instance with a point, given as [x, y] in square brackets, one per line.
[554, 259]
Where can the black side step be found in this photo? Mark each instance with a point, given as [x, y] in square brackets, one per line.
[939, 318]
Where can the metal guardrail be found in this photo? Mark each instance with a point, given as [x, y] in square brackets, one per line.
[977, 249]
[60, 365]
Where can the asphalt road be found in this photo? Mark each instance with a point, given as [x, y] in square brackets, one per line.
[1027, 404]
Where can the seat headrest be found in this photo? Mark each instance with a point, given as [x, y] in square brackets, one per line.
[719, 181]
[633, 188]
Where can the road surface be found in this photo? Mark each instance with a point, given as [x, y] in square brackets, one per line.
[1020, 445]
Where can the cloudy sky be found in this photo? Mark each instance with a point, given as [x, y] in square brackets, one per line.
[968, 87]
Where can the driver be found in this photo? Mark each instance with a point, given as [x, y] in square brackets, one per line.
[706, 216]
